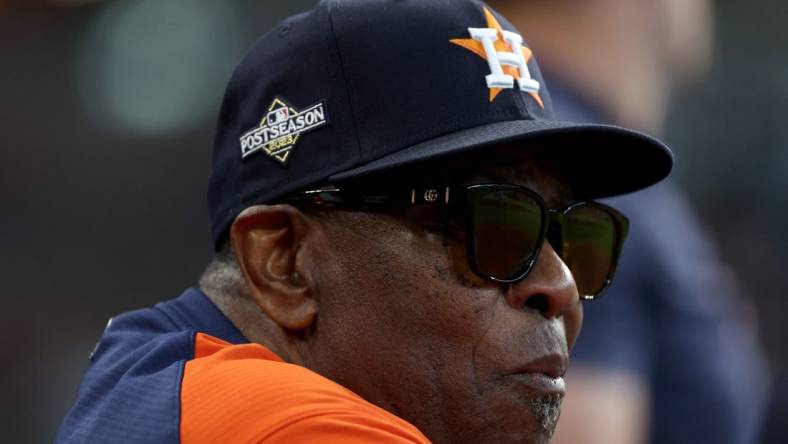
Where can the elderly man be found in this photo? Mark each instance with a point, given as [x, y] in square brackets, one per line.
[404, 237]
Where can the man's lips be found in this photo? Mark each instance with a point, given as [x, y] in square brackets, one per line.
[552, 365]
[540, 384]
[544, 375]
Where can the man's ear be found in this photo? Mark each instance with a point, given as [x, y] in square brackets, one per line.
[267, 241]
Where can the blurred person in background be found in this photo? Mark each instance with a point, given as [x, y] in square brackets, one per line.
[668, 355]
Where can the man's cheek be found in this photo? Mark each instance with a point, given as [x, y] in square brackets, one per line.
[460, 264]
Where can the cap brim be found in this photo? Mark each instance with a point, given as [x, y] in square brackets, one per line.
[597, 160]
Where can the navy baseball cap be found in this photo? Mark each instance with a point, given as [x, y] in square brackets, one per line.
[355, 87]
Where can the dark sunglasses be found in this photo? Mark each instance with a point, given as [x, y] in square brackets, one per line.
[506, 225]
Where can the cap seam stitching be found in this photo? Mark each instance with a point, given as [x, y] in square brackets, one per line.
[345, 81]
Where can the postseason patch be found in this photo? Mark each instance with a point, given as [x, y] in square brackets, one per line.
[280, 129]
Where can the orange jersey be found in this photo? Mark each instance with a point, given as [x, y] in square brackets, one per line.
[246, 393]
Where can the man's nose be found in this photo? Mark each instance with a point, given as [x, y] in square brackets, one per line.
[550, 289]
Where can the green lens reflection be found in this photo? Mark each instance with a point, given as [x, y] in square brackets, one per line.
[507, 224]
[589, 246]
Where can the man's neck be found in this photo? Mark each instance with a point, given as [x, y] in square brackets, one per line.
[249, 319]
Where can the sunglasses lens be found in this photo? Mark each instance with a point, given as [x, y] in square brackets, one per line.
[507, 225]
[589, 248]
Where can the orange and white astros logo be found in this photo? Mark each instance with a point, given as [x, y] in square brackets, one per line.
[506, 55]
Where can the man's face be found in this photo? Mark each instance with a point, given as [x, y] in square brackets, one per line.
[406, 324]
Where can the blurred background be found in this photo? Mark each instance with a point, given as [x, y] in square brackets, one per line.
[107, 113]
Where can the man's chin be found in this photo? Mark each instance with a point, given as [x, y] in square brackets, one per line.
[531, 420]
[537, 421]
[546, 410]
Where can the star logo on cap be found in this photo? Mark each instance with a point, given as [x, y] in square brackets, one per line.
[507, 57]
